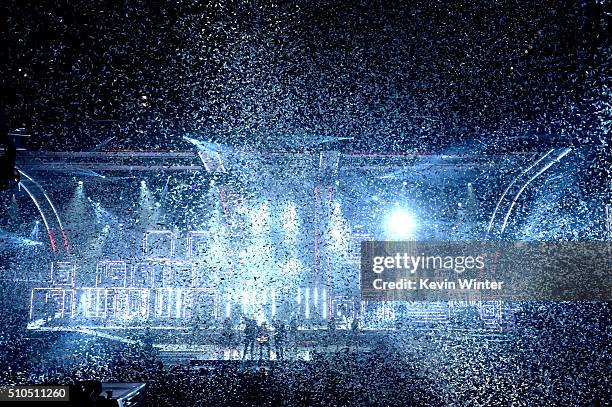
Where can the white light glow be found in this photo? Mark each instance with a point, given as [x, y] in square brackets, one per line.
[324, 304]
[400, 224]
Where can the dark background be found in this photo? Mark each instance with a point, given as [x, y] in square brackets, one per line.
[391, 75]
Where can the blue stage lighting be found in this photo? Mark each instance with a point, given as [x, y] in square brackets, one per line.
[400, 224]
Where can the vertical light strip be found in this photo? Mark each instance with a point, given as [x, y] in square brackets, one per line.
[273, 294]
[228, 305]
[324, 303]
[178, 302]
[31, 303]
[244, 301]
[307, 302]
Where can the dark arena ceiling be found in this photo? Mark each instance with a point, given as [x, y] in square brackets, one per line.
[361, 76]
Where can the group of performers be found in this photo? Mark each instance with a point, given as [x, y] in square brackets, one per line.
[261, 335]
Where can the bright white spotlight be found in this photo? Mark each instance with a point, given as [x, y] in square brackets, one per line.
[401, 224]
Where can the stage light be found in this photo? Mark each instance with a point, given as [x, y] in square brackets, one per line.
[400, 224]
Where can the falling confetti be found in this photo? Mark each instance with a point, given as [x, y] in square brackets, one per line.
[185, 186]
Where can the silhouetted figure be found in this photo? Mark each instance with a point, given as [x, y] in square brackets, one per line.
[227, 333]
[331, 330]
[147, 342]
[280, 337]
[355, 332]
[293, 329]
[294, 334]
[355, 325]
[250, 334]
[263, 339]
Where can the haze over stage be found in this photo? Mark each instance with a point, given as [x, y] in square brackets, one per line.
[190, 193]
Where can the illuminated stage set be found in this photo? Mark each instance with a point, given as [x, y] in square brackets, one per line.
[173, 239]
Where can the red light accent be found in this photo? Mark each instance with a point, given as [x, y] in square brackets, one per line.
[65, 238]
[52, 241]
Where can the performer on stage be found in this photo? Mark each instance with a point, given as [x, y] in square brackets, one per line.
[331, 332]
[280, 336]
[250, 334]
[263, 339]
[227, 334]
[355, 332]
